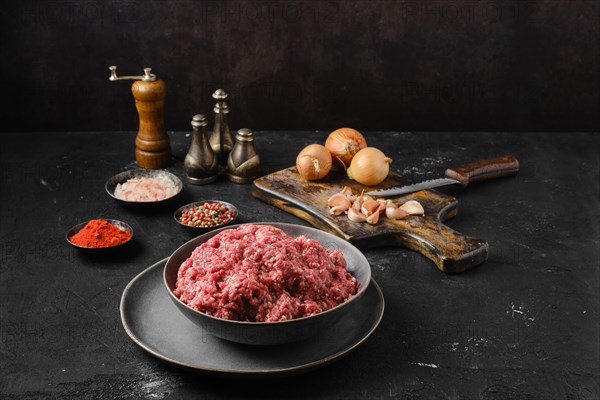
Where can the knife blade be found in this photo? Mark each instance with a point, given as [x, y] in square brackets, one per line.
[465, 175]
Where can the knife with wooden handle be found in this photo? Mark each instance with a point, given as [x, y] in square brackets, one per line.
[471, 173]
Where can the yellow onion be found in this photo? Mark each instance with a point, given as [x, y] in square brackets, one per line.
[313, 162]
[343, 144]
[369, 166]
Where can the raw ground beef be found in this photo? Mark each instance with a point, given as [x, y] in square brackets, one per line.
[258, 273]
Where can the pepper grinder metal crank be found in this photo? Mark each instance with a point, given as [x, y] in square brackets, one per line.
[201, 164]
[153, 148]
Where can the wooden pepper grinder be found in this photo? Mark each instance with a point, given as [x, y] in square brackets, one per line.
[152, 145]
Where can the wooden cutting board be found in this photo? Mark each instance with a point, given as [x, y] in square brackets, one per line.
[451, 251]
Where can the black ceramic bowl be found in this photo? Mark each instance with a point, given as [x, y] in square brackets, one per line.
[119, 224]
[201, 229]
[271, 333]
[122, 177]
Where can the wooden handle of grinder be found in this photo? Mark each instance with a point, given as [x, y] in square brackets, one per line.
[485, 169]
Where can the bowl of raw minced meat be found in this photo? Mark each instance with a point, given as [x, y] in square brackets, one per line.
[266, 283]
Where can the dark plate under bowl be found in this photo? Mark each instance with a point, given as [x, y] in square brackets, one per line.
[120, 224]
[155, 324]
[122, 177]
[270, 333]
[199, 229]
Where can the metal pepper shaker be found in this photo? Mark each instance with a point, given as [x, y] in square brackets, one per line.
[243, 161]
[220, 139]
[201, 164]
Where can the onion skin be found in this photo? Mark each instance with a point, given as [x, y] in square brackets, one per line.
[343, 144]
[369, 166]
[313, 162]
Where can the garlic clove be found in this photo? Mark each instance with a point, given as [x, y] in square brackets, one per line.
[358, 202]
[390, 203]
[339, 200]
[373, 218]
[413, 207]
[395, 213]
[337, 210]
[356, 216]
[366, 197]
[369, 207]
[346, 191]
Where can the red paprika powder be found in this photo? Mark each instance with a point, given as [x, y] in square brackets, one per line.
[100, 233]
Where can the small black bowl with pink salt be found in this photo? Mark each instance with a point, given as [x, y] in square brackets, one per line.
[138, 187]
[205, 215]
[266, 283]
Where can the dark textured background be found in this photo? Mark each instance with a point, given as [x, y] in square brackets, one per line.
[375, 65]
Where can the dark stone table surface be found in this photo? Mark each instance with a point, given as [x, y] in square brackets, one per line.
[524, 325]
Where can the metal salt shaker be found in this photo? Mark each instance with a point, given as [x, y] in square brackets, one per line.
[201, 164]
[220, 139]
[243, 161]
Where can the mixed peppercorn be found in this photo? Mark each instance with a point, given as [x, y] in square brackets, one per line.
[207, 215]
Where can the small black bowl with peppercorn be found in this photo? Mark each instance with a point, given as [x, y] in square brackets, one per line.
[205, 215]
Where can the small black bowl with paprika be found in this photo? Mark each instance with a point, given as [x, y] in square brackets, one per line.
[99, 234]
[205, 215]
